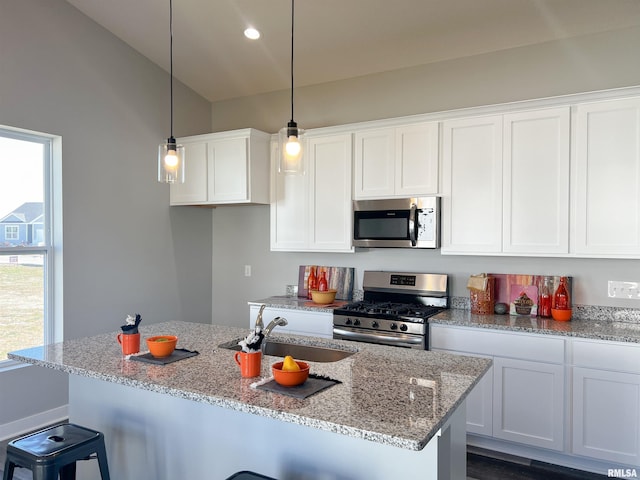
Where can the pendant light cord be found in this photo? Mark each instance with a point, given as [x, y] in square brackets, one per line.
[292, 17]
[171, 62]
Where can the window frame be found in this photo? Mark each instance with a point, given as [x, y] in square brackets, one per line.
[52, 234]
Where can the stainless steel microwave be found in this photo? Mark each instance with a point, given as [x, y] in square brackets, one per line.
[397, 222]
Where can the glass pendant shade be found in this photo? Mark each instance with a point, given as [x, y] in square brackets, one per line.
[290, 143]
[171, 162]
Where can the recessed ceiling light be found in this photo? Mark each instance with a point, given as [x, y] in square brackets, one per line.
[252, 33]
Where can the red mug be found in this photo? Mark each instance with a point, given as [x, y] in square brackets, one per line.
[130, 342]
[250, 363]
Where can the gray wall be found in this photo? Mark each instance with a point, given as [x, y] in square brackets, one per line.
[125, 250]
[589, 63]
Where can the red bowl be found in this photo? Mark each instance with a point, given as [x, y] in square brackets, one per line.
[162, 346]
[290, 379]
[561, 315]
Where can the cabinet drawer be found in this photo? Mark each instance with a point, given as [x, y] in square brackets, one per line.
[606, 355]
[541, 348]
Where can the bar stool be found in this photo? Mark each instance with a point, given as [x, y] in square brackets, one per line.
[246, 475]
[54, 451]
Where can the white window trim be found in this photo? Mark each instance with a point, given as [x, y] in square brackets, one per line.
[53, 274]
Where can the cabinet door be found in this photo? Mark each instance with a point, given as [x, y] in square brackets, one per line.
[194, 189]
[330, 203]
[528, 402]
[374, 163]
[607, 178]
[536, 182]
[289, 207]
[228, 170]
[480, 406]
[472, 185]
[416, 160]
[606, 415]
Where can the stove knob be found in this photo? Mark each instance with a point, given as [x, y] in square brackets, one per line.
[348, 321]
[356, 322]
[403, 327]
[394, 326]
[374, 324]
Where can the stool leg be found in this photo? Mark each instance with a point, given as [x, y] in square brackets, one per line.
[68, 472]
[102, 461]
[44, 472]
[8, 470]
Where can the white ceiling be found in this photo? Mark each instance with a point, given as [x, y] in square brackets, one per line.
[337, 39]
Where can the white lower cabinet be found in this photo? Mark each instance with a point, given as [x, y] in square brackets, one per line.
[299, 322]
[606, 401]
[528, 402]
[522, 399]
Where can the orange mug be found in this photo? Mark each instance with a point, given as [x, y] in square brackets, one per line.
[250, 363]
[130, 342]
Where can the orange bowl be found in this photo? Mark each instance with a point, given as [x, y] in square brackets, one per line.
[162, 345]
[290, 379]
[323, 298]
[561, 315]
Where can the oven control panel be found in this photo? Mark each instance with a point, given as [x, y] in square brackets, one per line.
[380, 324]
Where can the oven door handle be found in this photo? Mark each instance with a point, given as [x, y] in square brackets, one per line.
[410, 342]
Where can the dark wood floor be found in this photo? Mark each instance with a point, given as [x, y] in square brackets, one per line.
[479, 467]
[482, 467]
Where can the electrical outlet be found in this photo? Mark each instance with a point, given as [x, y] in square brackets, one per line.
[247, 270]
[619, 289]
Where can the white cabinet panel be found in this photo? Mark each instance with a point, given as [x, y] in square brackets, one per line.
[536, 181]
[472, 185]
[224, 168]
[398, 161]
[528, 402]
[607, 178]
[417, 160]
[330, 174]
[606, 415]
[194, 188]
[480, 406]
[312, 212]
[374, 163]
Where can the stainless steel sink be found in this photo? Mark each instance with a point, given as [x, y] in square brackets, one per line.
[309, 353]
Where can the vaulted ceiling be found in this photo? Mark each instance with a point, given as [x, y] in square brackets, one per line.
[337, 39]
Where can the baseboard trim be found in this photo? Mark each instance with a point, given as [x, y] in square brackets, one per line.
[34, 422]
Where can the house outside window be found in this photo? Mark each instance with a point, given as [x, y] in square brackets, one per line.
[11, 232]
[30, 241]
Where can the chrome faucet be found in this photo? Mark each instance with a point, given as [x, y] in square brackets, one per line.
[276, 322]
[259, 323]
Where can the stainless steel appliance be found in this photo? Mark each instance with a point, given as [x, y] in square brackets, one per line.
[395, 309]
[399, 222]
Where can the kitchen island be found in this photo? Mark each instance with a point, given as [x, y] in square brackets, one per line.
[397, 413]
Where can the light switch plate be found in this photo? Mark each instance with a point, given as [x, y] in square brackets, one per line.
[619, 289]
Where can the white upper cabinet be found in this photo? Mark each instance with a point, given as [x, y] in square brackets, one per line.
[505, 183]
[536, 182]
[472, 185]
[312, 212]
[396, 161]
[607, 179]
[224, 168]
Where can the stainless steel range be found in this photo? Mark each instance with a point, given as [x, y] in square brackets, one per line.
[394, 310]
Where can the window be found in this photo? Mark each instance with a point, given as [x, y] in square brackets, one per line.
[11, 232]
[27, 233]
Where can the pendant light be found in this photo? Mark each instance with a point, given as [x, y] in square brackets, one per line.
[170, 154]
[290, 137]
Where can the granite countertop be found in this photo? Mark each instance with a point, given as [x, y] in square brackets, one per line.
[602, 329]
[394, 396]
[298, 303]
